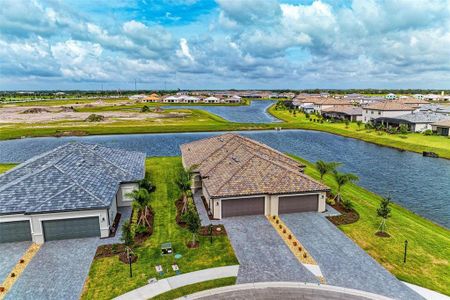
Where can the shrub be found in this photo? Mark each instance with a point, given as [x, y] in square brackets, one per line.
[331, 201]
[347, 204]
[13, 275]
[428, 132]
[294, 243]
[277, 221]
[305, 255]
[141, 228]
[284, 230]
[300, 249]
[127, 234]
[289, 236]
[281, 226]
[403, 129]
[274, 217]
[95, 118]
[145, 108]
[21, 261]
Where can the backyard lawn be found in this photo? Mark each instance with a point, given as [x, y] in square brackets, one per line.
[428, 260]
[108, 277]
[415, 142]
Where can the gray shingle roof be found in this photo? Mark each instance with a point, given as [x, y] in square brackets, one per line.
[420, 117]
[74, 176]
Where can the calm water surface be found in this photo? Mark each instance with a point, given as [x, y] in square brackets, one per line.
[419, 183]
[256, 112]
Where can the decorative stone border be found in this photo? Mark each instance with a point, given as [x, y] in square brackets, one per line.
[18, 269]
[296, 247]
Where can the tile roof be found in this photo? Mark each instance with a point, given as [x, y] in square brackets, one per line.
[444, 123]
[345, 109]
[74, 176]
[233, 165]
[392, 105]
[420, 117]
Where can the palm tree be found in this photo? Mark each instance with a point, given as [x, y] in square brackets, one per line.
[326, 167]
[183, 182]
[193, 223]
[341, 180]
[141, 201]
[384, 211]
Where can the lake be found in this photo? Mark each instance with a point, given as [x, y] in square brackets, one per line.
[418, 183]
[256, 112]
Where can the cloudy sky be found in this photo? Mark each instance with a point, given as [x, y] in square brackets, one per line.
[202, 44]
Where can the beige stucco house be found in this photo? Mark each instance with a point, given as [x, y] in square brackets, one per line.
[239, 176]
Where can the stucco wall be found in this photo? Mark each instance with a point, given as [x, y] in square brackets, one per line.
[121, 196]
[369, 114]
[36, 221]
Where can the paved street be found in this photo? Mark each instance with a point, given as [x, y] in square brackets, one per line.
[342, 262]
[262, 253]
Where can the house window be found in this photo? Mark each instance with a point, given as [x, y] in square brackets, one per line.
[379, 112]
[371, 112]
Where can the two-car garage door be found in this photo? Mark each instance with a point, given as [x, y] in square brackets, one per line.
[71, 228]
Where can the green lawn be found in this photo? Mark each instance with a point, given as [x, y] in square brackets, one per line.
[415, 142]
[6, 167]
[428, 262]
[108, 277]
[194, 288]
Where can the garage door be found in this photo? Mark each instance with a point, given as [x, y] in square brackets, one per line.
[15, 231]
[71, 228]
[242, 207]
[293, 204]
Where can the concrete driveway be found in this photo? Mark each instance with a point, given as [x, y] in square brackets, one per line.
[10, 253]
[262, 253]
[343, 263]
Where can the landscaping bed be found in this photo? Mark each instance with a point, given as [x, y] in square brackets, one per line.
[348, 216]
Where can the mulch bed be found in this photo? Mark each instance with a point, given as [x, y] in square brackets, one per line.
[179, 205]
[114, 227]
[382, 234]
[139, 238]
[206, 205]
[109, 250]
[346, 217]
[123, 257]
[193, 245]
[204, 230]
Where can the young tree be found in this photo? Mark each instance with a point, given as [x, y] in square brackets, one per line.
[183, 182]
[342, 179]
[193, 223]
[359, 123]
[326, 167]
[384, 211]
[127, 236]
[146, 184]
[347, 122]
[141, 201]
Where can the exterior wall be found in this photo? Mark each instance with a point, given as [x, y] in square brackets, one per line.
[37, 233]
[420, 127]
[271, 203]
[196, 182]
[371, 114]
[124, 189]
[112, 211]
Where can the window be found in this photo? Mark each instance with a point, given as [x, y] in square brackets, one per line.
[371, 112]
[379, 113]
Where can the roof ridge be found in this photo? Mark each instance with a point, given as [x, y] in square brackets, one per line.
[51, 197]
[33, 159]
[20, 179]
[233, 135]
[79, 185]
[107, 160]
[216, 164]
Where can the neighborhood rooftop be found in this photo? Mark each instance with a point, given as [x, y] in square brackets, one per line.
[74, 176]
[232, 165]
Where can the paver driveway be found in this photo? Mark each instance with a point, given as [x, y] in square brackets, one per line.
[343, 263]
[10, 253]
[262, 254]
[59, 269]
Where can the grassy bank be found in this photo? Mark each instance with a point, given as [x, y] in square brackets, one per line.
[428, 260]
[108, 277]
[196, 121]
[194, 288]
[6, 167]
[414, 142]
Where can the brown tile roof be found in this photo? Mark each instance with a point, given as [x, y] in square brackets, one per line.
[389, 105]
[322, 101]
[411, 100]
[232, 165]
[345, 109]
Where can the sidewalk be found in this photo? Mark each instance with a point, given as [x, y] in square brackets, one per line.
[164, 285]
[204, 219]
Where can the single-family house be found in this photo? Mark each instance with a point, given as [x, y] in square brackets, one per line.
[152, 98]
[239, 176]
[441, 127]
[385, 109]
[234, 99]
[211, 99]
[139, 97]
[343, 112]
[171, 99]
[72, 191]
[417, 121]
[412, 101]
[390, 96]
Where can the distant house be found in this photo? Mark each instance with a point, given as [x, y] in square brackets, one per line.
[412, 101]
[419, 96]
[234, 99]
[139, 97]
[171, 99]
[431, 97]
[343, 112]
[317, 104]
[441, 127]
[385, 109]
[152, 98]
[416, 121]
[70, 192]
[211, 99]
[390, 96]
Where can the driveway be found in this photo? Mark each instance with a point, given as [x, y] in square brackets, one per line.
[60, 268]
[343, 263]
[10, 253]
[262, 253]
